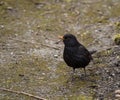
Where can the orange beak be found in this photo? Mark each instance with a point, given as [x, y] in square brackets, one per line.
[61, 37]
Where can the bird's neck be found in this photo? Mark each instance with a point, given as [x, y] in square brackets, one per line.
[72, 45]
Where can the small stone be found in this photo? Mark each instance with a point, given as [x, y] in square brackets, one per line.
[2, 26]
[43, 73]
[11, 53]
[38, 26]
[107, 71]
[113, 74]
[1, 3]
[16, 34]
[117, 91]
[118, 57]
[39, 5]
[117, 95]
[65, 14]
[9, 8]
[56, 56]
[21, 75]
[117, 39]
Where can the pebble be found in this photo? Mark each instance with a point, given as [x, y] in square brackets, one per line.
[43, 73]
[11, 53]
[2, 26]
[56, 56]
[117, 91]
[1, 3]
[9, 8]
[117, 94]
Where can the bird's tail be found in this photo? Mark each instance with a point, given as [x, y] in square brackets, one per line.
[93, 51]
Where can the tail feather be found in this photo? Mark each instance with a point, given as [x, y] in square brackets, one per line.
[92, 52]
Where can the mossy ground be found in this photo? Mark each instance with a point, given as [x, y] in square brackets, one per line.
[26, 64]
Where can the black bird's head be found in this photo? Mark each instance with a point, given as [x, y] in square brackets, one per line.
[69, 40]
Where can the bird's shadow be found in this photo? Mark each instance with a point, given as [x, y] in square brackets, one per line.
[77, 78]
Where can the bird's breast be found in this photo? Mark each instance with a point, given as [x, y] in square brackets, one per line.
[68, 55]
[69, 52]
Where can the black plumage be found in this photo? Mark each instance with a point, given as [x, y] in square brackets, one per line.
[75, 54]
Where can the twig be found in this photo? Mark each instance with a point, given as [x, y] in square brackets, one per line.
[23, 93]
[37, 44]
[50, 46]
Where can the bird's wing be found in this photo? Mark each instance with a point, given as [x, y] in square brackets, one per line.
[83, 52]
[80, 60]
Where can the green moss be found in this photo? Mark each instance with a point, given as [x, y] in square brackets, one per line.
[80, 97]
[104, 53]
[102, 20]
[117, 39]
[86, 38]
[35, 74]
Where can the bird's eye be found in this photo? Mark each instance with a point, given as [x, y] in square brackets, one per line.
[65, 37]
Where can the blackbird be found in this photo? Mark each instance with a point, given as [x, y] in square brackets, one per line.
[75, 54]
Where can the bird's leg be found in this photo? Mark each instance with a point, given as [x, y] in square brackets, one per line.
[85, 71]
[73, 74]
[73, 70]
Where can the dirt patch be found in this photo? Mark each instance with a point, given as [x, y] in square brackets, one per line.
[31, 61]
